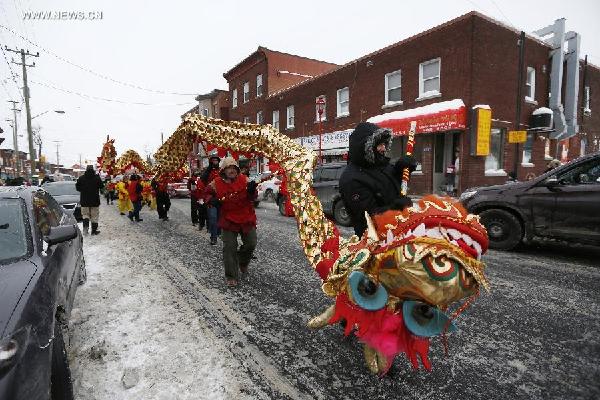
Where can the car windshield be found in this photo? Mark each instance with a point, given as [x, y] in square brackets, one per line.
[13, 239]
[61, 189]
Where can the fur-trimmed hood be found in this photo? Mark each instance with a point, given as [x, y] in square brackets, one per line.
[363, 141]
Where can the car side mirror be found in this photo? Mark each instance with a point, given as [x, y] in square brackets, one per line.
[60, 234]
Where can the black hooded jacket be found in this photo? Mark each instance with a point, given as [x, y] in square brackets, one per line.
[369, 182]
[88, 186]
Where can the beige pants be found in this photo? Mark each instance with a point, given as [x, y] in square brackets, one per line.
[90, 213]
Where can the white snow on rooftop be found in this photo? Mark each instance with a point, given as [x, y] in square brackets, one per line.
[542, 110]
[484, 106]
[416, 112]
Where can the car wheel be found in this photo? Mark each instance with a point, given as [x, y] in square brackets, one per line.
[61, 387]
[504, 229]
[281, 205]
[268, 195]
[340, 214]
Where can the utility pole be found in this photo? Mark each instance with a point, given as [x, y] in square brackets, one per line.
[57, 155]
[15, 136]
[26, 96]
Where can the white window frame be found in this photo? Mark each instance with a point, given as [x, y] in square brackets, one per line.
[246, 120]
[259, 117]
[587, 110]
[499, 160]
[527, 157]
[388, 88]
[432, 93]
[234, 99]
[288, 115]
[339, 104]
[275, 121]
[530, 85]
[324, 116]
[259, 85]
[246, 92]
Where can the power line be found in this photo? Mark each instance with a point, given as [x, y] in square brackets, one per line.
[107, 99]
[99, 75]
[12, 74]
[502, 12]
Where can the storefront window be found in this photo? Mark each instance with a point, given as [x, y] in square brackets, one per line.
[494, 160]
[417, 150]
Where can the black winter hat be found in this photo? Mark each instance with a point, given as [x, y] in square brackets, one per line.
[363, 140]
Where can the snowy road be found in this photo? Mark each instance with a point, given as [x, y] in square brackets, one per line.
[172, 329]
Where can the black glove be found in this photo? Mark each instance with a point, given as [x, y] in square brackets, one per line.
[405, 161]
[251, 188]
[214, 202]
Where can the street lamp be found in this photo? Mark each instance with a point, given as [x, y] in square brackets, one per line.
[320, 108]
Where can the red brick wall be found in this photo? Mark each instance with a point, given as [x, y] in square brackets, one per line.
[254, 104]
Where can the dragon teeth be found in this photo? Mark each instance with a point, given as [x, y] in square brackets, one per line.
[477, 247]
[390, 237]
[420, 230]
[434, 233]
[467, 239]
[454, 233]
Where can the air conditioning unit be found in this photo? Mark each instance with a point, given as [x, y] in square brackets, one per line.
[541, 120]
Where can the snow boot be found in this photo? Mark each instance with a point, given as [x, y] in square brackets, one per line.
[86, 226]
[95, 230]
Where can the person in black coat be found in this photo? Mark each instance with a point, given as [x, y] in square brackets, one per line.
[89, 185]
[370, 182]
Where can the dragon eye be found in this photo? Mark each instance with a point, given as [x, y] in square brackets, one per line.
[366, 293]
[423, 320]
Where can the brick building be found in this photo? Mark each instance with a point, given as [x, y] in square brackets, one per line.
[437, 77]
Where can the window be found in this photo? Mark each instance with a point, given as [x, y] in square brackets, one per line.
[234, 99]
[582, 146]
[290, 117]
[343, 102]
[527, 148]
[246, 92]
[14, 241]
[276, 119]
[259, 118]
[417, 149]
[585, 173]
[205, 112]
[587, 110]
[494, 160]
[547, 155]
[429, 78]
[259, 86]
[323, 107]
[393, 85]
[246, 120]
[530, 85]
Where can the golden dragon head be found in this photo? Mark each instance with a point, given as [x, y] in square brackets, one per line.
[394, 285]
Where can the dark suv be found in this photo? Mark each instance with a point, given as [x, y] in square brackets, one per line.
[326, 184]
[563, 203]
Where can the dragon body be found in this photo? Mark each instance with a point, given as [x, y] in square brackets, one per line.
[131, 159]
[393, 285]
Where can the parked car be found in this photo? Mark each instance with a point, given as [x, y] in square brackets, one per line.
[563, 203]
[41, 266]
[178, 189]
[66, 195]
[268, 190]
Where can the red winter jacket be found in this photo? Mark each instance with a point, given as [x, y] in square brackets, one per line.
[135, 189]
[237, 207]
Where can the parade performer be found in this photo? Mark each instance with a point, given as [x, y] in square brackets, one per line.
[163, 203]
[134, 188]
[212, 210]
[235, 195]
[123, 202]
[403, 281]
[147, 196]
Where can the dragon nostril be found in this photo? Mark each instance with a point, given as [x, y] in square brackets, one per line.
[367, 287]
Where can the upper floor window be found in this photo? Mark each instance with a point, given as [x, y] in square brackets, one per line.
[429, 78]
[234, 99]
[495, 160]
[259, 118]
[290, 117]
[343, 102]
[205, 112]
[276, 119]
[259, 86]
[530, 84]
[587, 109]
[246, 92]
[393, 86]
[322, 106]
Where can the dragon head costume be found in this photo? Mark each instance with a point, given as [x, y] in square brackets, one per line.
[106, 161]
[395, 284]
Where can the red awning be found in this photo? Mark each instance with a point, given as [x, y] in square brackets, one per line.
[436, 117]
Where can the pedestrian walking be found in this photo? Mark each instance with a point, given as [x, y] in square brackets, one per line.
[163, 203]
[212, 210]
[192, 185]
[235, 194]
[134, 188]
[369, 182]
[89, 185]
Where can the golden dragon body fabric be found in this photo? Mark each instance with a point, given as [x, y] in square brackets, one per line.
[393, 286]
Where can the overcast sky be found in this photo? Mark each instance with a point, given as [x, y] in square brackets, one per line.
[185, 46]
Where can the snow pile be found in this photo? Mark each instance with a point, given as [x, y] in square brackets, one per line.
[132, 334]
[433, 108]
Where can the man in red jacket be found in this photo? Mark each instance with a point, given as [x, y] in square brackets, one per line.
[235, 195]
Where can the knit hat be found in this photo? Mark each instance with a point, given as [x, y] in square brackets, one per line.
[228, 162]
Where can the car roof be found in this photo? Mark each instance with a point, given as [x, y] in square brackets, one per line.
[60, 183]
[23, 192]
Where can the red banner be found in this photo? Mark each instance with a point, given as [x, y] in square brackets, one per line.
[445, 120]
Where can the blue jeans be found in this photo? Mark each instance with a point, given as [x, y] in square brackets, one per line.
[213, 217]
[137, 206]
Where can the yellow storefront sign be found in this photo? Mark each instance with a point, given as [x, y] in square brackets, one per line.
[517, 136]
[484, 130]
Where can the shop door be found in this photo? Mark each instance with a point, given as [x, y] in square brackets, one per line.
[439, 156]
